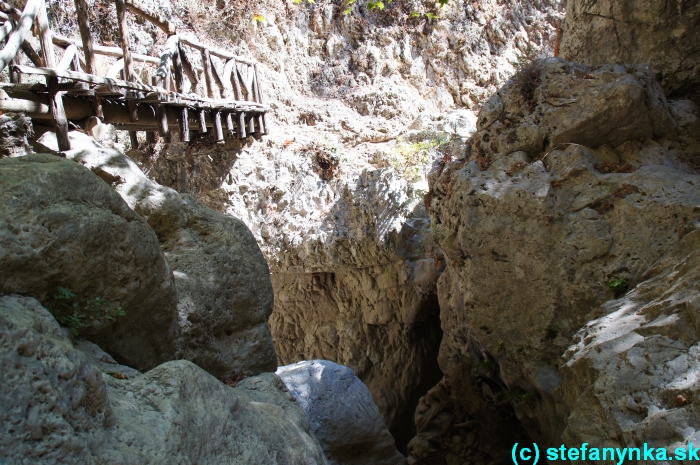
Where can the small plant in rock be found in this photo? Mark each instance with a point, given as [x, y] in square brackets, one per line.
[618, 286]
[551, 331]
[518, 396]
[408, 159]
[67, 310]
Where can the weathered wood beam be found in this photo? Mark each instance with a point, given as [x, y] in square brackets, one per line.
[155, 18]
[192, 42]
[18, 36]
[241, 125]
[115, 52]
[180, 86]
[208, 79]
[187, 67]
[202, 121]
[58, 113]
[81, 8]
[115, 69]
[68, 57]
[45, 37]
[217, 78]
[125, 41]
[218, 131]
[238, 94]
[5, 30]
[257, 91]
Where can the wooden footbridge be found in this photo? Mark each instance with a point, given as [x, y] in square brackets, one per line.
[74, 92]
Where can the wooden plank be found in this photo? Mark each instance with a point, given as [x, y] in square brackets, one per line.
[218, 131]
[18, 36]
[154, 18]
[229, 123]
[124, 36]
[59, 114]
[81, 7]
[68, 56]
[208, 79]
[45, 37]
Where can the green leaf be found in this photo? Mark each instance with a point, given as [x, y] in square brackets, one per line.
[443, 2]
[414, 14]
[431, 16]
[347, 11]
[259, 18]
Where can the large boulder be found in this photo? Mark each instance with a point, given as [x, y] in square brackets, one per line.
[56, 406]
[664, 34]
[224, 293]
[63, 226]
[631, 376]
[533, 237]
[342, 413]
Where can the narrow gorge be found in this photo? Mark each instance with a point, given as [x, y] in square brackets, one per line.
[462, 225]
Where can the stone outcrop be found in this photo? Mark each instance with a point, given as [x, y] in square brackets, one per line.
[564, 191]
[56, 406]
[663, 34]
[342, 413]
[224, 293]
[63, 226]
[631, 376]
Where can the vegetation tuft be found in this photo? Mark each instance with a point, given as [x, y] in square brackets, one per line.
[409, 159]
[618, 286]
[67, 310]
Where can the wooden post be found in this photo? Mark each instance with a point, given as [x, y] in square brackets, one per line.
[180, 86]
[59, 114]
[218, 131]
[162, 117]
[217, 78]
[126, 46]
[153, 17]
[18, 36]
[206, 64]
[229, 123]
[236, 81]
[241, 126]
[187, 67]
[45, 37]
[257, 93]
[202, 122]
[81, 8]
[251, 125]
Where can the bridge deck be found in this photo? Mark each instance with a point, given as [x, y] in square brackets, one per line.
[76, 94]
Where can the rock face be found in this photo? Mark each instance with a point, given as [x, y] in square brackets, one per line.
[545, 213]
[224, 293]
[58, 407]
[63, 226]
[342, 413]
[663, 34]
[631, 376]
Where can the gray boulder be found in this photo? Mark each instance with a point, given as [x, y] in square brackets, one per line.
[61, 225]
[342, 413]
[224, 292]
[56, 406]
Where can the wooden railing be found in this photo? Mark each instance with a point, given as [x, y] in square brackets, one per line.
[74, 91]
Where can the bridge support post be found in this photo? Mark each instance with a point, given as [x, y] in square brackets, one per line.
[59, 114]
